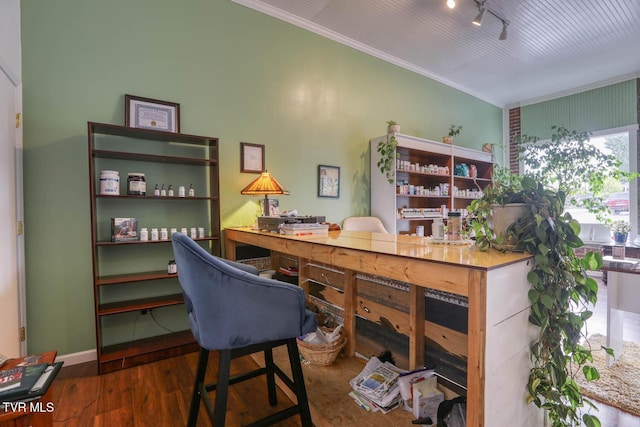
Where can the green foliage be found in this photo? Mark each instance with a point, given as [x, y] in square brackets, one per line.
[387, 150]
[569, 163]
[560, 294]
[620, 226]
[454, 130]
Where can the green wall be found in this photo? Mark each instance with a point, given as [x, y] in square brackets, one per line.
[606, 107]
[238, 75]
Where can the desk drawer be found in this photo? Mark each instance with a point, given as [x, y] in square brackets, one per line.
[326, 276]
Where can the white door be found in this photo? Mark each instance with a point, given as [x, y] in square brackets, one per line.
[9, 315]
[12, 312]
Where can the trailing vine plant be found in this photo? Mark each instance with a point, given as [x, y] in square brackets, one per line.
[387, 150]
[560, 294]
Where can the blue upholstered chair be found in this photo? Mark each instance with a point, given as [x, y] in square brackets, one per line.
[233, 310]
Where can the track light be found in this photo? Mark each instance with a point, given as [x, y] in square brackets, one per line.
[451, 4]
[478, 19]
[482, 9]
[503, 34]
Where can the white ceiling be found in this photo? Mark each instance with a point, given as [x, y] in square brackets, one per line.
[554, 47]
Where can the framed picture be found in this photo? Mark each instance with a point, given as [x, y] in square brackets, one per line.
[251, 158]
[328, 181]
[152, 114]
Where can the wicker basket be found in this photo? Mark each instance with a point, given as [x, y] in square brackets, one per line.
[321, 354]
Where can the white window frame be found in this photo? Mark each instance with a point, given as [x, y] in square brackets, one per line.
[632, 131]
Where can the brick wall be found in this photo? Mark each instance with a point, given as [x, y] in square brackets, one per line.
[514, 131]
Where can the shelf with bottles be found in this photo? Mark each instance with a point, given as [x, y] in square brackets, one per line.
[125, 166]
[405, 188]
[421, 213]
[411, 160]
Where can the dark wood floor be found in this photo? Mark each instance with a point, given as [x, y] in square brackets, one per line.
[158, 394]
[154, 395]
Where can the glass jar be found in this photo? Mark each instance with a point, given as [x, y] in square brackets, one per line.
[454, 226]
[136, 184]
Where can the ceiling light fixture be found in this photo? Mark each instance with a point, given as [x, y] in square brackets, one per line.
[451, 4]
[478, 19]
[503, 34]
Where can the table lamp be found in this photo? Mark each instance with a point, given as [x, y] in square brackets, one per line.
[264, 184]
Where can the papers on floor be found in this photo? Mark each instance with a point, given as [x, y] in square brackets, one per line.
[376, 387]
[420, 394]
[383, 387]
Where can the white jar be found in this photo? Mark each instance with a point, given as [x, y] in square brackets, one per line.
[201, 232]
[164, 235]
[144, 234]
[110, 183]
[181, 191]
[183, 230]
[154, 234]
[193, 233]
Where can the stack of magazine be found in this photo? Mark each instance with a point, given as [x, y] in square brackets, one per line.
[25, 378]
[376, 387]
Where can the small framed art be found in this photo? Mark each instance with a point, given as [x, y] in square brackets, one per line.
[251, 158]
[328, 181]
[153, 114]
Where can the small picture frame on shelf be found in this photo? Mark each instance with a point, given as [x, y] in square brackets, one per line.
[328, 181]
[251, 158]
[147, 113]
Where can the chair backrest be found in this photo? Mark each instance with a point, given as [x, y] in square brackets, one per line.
[230, 306]
[364, 223]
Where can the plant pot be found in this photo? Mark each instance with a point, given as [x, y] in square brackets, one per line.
[394, 128]
[620, 238]
[502, 216]
[447, 139]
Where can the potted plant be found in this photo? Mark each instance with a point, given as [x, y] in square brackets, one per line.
[560, 295]
[501, 205]
[393, 127]
[620, 229]
[453, 131]
[387, 150]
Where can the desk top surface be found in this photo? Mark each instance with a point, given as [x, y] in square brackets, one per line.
[404, 246]
[626, 265]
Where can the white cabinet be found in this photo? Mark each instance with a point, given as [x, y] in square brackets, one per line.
[429, 175]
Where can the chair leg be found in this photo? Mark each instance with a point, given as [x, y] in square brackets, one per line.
[271, 379]
[298, 379]
[222, 388]
[197, 386]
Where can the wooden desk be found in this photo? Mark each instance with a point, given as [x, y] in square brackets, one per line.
[496, 345]
[623, 294]
[25, 417]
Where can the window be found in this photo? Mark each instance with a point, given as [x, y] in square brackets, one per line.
[621, 197]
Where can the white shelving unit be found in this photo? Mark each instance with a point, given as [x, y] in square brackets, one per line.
[433, 187]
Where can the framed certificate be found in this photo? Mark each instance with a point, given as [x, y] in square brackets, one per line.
[251, 158]
[153, 114]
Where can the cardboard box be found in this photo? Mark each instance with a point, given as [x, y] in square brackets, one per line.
[124, 229]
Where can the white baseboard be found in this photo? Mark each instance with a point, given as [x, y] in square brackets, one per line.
[77, 358]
